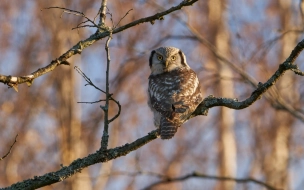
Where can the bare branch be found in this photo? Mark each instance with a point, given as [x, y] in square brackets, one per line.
[81, 163]
[94, 102]
[102, 13]
[77, 13]
[90, 83]
[301, 7]
[204, 176]
[212, 101]
[78, 48]
[105, 135]
[122, 18]
[9, 151]
[119, 109]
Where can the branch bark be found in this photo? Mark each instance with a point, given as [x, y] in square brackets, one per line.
[212, 101]
[105, 108]
[81, 163]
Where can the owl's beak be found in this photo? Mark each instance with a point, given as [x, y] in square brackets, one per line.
[166, 63]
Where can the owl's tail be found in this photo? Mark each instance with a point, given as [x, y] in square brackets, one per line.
[167, 128]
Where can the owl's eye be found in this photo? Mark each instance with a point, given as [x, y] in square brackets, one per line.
[159, 57]
[173, 58]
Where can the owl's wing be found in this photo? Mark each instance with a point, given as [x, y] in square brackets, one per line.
[163, 108]
[177, 96]
[188, 98]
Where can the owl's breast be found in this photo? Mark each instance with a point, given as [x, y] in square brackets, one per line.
[165, 86]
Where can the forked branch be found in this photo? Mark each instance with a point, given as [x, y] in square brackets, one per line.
[14, 81]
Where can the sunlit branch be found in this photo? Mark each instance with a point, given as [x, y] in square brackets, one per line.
[77, 13]
[102, 11]
[14, 81]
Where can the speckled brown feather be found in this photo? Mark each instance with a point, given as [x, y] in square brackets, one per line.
[175, 95]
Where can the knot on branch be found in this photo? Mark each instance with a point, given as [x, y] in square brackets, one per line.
[159, 18]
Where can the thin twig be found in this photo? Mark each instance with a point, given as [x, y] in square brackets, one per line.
[90, 83]
[119, 109]
[9, 149]
[105, 136]
[122, 18]
[111, 18]
[94, 102]
[204, 176]
[77, 13]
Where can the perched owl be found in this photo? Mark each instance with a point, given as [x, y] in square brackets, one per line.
[174, 90]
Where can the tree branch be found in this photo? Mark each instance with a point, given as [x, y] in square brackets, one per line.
[212, 101]
[102, 11]
[81, 163]
[204, 176]
[105, 108]
[13, 81]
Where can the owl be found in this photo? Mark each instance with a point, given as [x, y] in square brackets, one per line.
[173, 91]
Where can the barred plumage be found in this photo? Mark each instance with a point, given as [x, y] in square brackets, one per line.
[174, 90]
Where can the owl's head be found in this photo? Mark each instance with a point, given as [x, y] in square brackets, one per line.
[166, 59]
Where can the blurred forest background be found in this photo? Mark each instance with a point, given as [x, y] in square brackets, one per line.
[264, 141]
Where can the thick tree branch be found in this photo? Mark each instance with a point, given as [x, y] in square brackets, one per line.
[212, 101]
[13, 81]
[76, 166]
[204, 176]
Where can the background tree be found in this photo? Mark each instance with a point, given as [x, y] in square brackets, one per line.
[232, 46]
